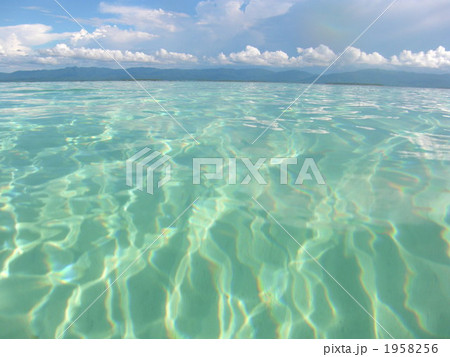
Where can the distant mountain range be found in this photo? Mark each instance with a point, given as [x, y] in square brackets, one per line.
[365, 77]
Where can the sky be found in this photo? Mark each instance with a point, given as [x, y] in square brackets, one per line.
[278, 34]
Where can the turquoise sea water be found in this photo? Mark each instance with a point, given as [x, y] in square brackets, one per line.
[70, 226]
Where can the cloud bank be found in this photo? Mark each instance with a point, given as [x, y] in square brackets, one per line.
[322, 56]
[15, 46]
[98, 54]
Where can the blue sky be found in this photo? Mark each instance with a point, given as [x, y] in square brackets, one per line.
[300, 34]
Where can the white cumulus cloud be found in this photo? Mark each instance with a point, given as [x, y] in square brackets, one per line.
[11, 46]
[97, 54]
[174, 57]
[32, 34]
[18, 40]
[322, 56]
[111, 35]
[144, 18]
[252, 55]
[355, 55]
[319, 56]
[437, 58]
[313, 56]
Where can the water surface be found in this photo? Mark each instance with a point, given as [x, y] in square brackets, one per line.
[70, 226]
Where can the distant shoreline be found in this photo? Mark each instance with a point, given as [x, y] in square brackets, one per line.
[368, 77]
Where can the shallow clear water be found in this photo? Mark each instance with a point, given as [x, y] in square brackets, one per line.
[70, 226]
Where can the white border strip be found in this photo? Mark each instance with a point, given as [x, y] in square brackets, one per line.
[225, 348]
